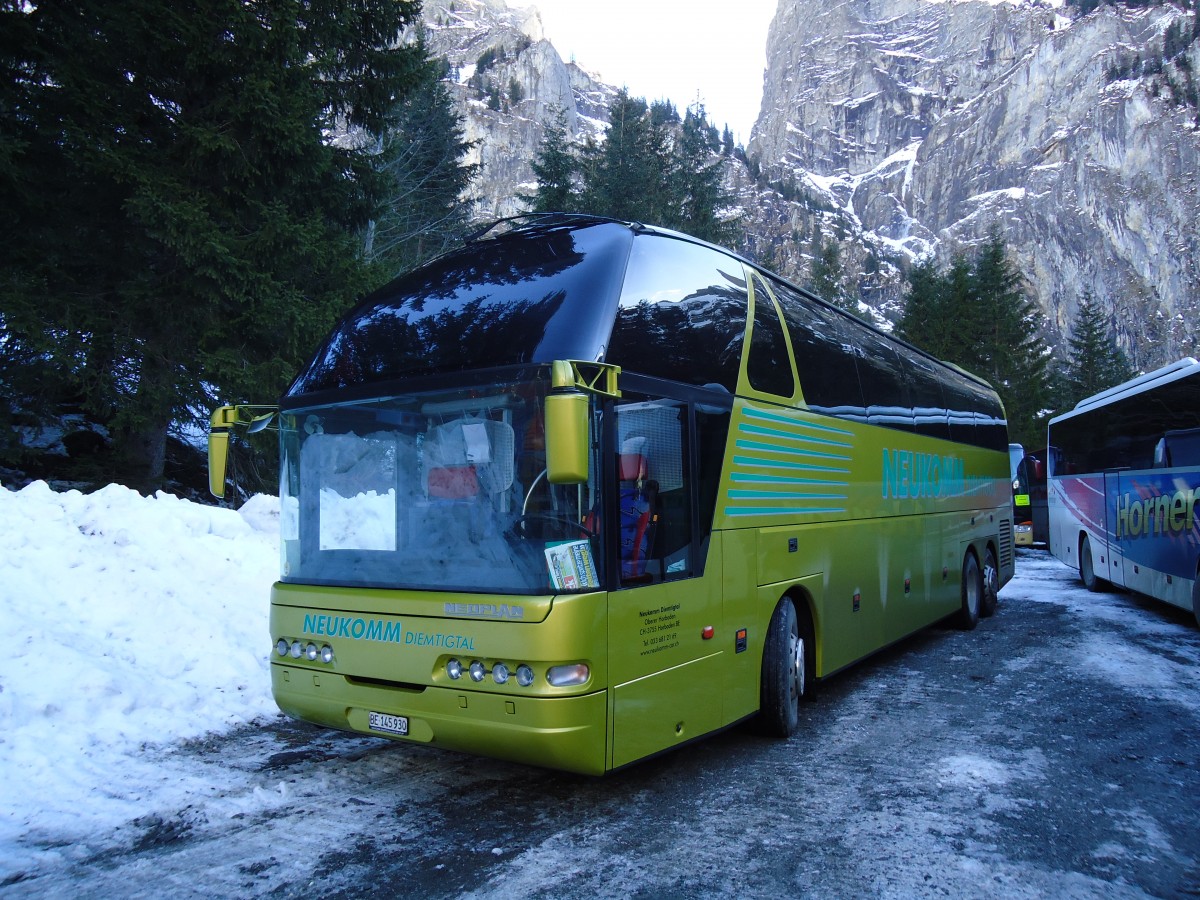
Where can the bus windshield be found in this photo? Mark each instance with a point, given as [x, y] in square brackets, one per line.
[500, 303]
[442, 490]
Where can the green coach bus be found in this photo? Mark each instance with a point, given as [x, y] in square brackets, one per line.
[583, 491]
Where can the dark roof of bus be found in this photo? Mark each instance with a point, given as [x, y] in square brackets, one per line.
[516, 226]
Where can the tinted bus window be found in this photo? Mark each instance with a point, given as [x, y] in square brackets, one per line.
[768, 369]
[682, 313]
[824, 351]
[884, 379]
[929, 406]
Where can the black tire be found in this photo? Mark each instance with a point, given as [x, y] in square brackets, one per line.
[786, 672]
[1086, 573]
[991, 584]
[972, 592]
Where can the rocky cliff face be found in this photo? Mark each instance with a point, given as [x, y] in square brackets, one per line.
[922, 124]
[900, 128]
[509, 80]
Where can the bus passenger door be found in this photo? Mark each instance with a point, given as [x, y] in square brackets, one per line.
[665, 606]
[1112, 569]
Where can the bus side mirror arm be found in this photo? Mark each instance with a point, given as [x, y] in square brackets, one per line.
[567, 416]
[224, 421]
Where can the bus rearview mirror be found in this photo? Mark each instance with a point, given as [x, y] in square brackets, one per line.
[218, 455]
[221, 424]
[567, 438]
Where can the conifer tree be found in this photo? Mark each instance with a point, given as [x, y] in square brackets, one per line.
[556, 167]
[180, 230]
[825, 278]
[924, 322]
[1096, 362]
[625, 176]
[1009, 349]
[651, 167]
[697, 189]
[977, 316]
[426, 205]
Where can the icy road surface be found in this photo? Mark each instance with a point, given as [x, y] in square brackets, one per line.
[1052, 752]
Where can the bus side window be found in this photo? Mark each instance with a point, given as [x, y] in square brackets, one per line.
[824, 355]
[1162, 454]
[768, 368]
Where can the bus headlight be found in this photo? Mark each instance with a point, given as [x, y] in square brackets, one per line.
[311, 651]
[454, 669]
[477, 671]
[563, 676]
[282, 647]
[297, 650]
[499, 673]
[326, 654]
[524, 675]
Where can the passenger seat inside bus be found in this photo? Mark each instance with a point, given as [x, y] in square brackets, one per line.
[639, 510]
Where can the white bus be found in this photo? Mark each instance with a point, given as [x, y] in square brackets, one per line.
[1125, 484]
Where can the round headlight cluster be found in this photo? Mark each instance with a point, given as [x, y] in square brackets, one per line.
[501, 672]
[304, 650]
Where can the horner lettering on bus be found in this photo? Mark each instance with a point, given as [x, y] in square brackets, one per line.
[1137, 517]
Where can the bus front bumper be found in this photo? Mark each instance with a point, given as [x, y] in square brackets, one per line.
[567, 733]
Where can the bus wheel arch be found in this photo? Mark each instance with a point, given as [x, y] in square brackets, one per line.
[788, 667]
[971, 591]
[990, 581]
[1196, 595]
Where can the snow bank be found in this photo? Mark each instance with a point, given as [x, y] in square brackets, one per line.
[129, 621]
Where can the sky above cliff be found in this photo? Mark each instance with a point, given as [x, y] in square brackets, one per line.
[674, 49]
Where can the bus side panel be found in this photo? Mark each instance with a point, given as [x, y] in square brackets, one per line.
[877, 583]
[1156, 530]
[1077, 507]
[669, 647]
[848, 591]
[670, 707]
[743, 610]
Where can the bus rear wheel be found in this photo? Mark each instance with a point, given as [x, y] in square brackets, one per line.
[786, 671]
[972, 592]
[1196, 597]
[1087, 574]
[991, 584]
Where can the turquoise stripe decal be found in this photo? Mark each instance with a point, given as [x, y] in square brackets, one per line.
[783, 464]
[782, 495]
[780, 479]
[776, 417]
[811, 461]
[777, 511]
[787, 435]
[755, 445]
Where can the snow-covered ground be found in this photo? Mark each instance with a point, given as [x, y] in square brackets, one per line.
[134, 624]
[128, 621]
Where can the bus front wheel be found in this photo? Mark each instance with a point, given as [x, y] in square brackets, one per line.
[787, 671]
[972, 592]
[1087, 574]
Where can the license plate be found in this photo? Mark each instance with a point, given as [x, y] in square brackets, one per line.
[378, 721]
